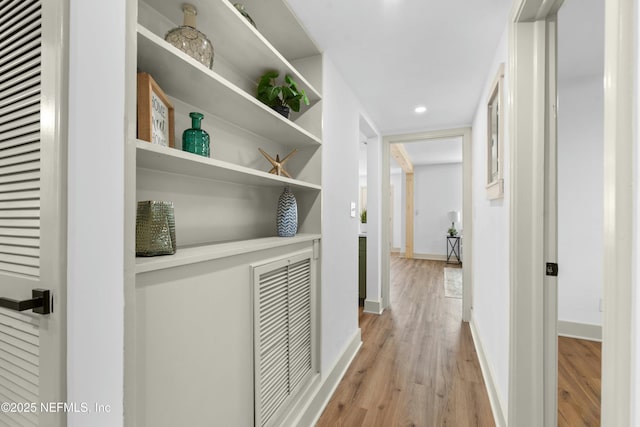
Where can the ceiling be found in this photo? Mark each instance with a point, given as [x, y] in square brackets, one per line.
[439, 53]
[398, 54]
[423, 153]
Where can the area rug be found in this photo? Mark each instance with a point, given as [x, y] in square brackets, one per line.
[453, 282]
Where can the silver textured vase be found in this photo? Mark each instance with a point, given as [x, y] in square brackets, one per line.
[189, 40]
[155, 228]
[287, 220]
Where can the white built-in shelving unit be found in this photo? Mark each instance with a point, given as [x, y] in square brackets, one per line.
[213, 93]
[178, 162]
[195, 254]
[182, 309]
[239, 124]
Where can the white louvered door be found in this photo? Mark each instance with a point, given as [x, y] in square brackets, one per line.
[32, 208]
[284, 325]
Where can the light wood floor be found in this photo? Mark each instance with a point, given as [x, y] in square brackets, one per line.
[417, 365]
[579, 377]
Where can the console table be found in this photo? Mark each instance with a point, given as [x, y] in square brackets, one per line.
[453, 249]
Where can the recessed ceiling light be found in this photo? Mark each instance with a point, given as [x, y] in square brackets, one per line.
[420, 109]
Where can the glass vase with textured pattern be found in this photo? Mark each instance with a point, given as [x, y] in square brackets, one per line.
[244, 13]
[189, 40]
[196, 140]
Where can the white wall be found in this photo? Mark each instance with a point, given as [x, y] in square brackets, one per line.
[635, 327]
[340, 231]
[437, 190]
[580, 198]
[491, 245]
[95, 286]
[398, 219]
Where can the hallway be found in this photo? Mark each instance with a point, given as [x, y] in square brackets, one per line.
[417, 365]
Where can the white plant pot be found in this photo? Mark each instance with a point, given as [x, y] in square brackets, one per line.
[363, 228]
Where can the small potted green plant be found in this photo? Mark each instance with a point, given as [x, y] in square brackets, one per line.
[280, 97]
[452, 231]
[363, 221]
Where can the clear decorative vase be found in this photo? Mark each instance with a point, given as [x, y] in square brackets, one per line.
[196, 140]
[287, 220]
[189, 40]
[244, 13]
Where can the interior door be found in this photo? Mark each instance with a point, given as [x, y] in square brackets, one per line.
[32, 211]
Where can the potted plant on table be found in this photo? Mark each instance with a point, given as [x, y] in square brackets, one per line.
[363, 221]
[280, 97]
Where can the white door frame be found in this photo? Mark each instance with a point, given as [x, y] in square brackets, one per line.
[53, 213]
[465, 134]
[533, 297]
[619, 127]
[532, 365]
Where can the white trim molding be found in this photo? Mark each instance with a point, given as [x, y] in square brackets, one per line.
[309, 414]
[583, 331]
[532, 368]
[430, 257]
[526, 337]
[497, 406]
[618, 385]
[373, 306]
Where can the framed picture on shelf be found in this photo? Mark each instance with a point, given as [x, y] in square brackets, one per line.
[155, 113]
[495, 138]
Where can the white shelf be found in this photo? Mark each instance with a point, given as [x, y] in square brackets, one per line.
[156, 157]
[236, 40]
[284, 32]
[202, 253]
[184, 78]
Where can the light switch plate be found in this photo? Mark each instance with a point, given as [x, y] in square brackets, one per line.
[353, 209]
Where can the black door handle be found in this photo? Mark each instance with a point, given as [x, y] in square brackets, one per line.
[40, 302]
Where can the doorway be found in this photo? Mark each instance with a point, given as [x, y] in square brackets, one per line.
[533, 321]
[466, 255]
[426, 190]
[580, 188]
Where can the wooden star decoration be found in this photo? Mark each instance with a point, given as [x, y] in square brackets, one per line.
[278, 165]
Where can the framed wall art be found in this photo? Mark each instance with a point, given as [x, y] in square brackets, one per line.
[495, 138]
[155, 113]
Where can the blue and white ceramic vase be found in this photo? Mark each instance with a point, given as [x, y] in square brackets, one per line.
[287, 222]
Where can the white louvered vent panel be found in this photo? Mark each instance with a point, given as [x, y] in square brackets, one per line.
[19, 364]
[274, 387]
[283, 334]
[20, 61]
[300, 321]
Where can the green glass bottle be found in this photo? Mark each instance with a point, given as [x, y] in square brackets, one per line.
[196, 140]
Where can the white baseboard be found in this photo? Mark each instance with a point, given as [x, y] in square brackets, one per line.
[583, 331]
[310, 414]
[431, 257]
[487, 374]
[373, 306]
[395, 250]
